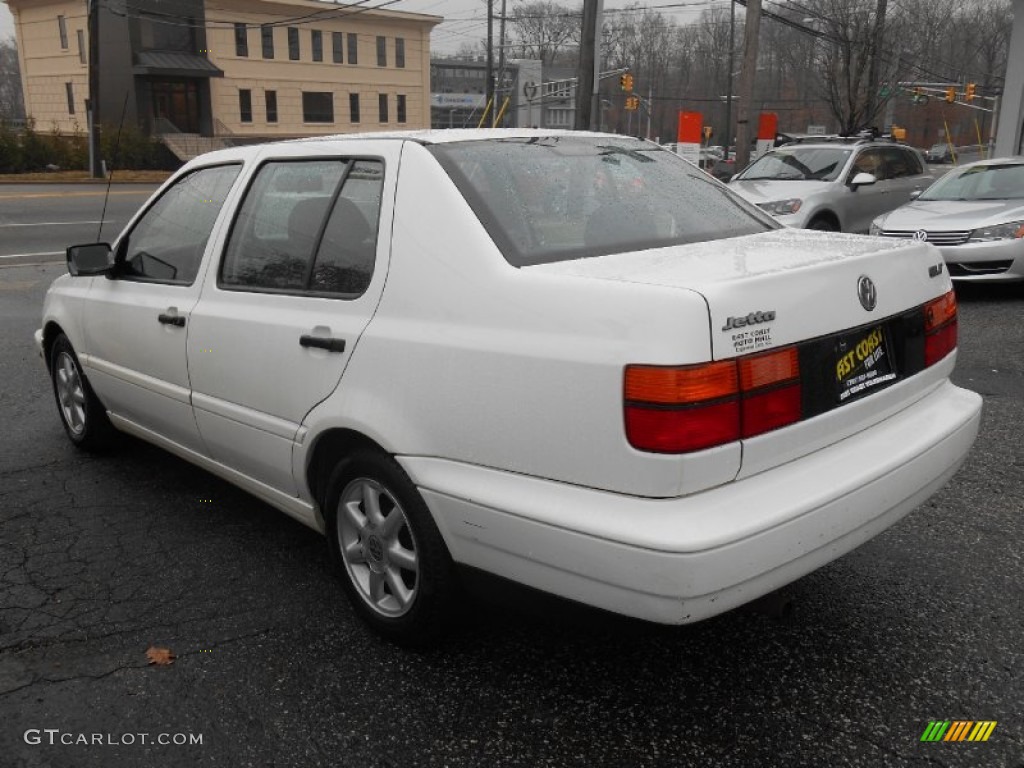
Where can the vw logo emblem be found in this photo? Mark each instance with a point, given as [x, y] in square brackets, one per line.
[921, 235]
[866, 293]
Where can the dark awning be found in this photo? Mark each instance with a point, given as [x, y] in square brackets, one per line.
[175, 64]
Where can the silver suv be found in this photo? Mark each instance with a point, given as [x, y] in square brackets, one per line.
[835, 185]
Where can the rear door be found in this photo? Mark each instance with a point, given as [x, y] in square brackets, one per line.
[299, 278]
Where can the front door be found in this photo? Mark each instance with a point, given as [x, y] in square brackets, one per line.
[867, 201]
[299, 279]
[137, 323]
[177, 102]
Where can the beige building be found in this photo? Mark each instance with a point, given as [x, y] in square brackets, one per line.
[236, 70]
[53, 57]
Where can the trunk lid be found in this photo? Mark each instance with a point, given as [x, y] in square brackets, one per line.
[781, 287]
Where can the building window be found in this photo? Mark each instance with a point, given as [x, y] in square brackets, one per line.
[400, 108]
[318, 107]
[81, 47]
[353, 107]
[336, 49]
[317, 39]
[70, 88]
[382, 51]
[267, 36]
[271, 106]
[293, 43]
[382, 107]
[241, 40]
[399, 51]
[245, 104]
[62, 25]
[353, 48]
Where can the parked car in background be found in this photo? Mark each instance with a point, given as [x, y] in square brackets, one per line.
[940, 153]
[974, 215]
[725, 167]
[833, 185]
[570, 360]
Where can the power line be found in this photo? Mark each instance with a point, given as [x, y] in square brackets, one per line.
[173, 20]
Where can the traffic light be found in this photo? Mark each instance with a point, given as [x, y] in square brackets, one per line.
[969, 96]
[626, 82]
[632, 103]
[951, 94]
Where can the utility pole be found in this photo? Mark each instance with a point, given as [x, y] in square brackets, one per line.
[728, 83]
[751, 30]
[595, 91]
[876, 56]
[93, 116]
[490, 63]
[586, 80]
[650, 106]
[501, 50]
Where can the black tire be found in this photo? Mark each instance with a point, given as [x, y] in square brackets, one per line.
[823, 224]
[82, 414]
[396, 571]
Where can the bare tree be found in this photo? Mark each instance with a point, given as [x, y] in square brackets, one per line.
[542, 29]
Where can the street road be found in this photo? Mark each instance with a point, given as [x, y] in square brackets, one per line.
[38, 221]
[102, 556]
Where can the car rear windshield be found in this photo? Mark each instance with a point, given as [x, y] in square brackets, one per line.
[798, 164]
[554, 198]
[979, 182]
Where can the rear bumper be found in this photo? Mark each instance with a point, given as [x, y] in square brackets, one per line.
[681, 560]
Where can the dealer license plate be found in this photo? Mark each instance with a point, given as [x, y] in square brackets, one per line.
[862, 363]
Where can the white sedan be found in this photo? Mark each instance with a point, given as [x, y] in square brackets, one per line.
[571, 360]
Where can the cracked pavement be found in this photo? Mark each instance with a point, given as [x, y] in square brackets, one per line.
[101, 557]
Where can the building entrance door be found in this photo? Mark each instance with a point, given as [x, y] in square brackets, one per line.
[177, 102]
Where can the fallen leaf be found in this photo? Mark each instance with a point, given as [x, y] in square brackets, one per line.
[161, 657]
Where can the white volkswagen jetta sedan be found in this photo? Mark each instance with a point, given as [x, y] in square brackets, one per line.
[572, 360]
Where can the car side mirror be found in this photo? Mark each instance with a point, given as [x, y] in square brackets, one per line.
[862, 179]
[915, 194]
[91, 259]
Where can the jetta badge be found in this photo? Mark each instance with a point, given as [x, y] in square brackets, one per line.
[921, 235]
[866, 293]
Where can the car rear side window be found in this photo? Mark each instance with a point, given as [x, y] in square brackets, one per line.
[900, 162]
[307, 226]
[167, 243]
[553, 198]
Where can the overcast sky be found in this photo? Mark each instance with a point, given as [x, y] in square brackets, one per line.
[466, 20]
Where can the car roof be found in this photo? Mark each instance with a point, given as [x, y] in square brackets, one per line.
[1013, 160]
[852, 144]
[441, 136]
[451, 135]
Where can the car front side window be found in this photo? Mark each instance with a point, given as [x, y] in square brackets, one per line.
[167, 244]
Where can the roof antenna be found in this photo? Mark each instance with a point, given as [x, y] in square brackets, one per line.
[110, 175]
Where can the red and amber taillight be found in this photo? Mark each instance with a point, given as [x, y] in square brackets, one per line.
[940, 328]
[678, 409]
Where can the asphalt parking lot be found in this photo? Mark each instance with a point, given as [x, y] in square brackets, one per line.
[103, 557]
